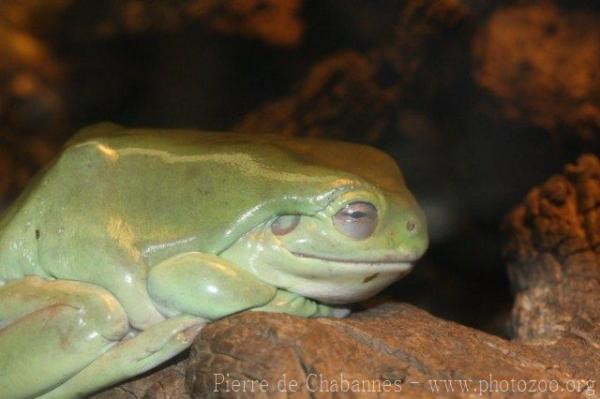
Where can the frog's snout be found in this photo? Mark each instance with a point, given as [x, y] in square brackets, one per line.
[409, 239]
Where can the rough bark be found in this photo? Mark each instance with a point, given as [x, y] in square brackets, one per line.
[166, 383]
[397, 343]
[554, 236]
[553, 257]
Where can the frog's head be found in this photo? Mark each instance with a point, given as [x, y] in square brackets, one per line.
[361, 238]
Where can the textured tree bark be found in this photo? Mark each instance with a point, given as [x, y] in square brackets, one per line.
[553, 239]
[384, 351]
[165, 383]
[554, 265]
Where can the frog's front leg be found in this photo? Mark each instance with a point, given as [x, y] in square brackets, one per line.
[189, 289]
[206, 286]
[297, 305]
[212, 287]
[54, 332]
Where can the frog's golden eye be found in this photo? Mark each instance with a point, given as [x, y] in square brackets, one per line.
[357, 220]
[284, 224]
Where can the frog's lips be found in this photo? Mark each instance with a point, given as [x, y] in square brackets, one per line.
[374, 262]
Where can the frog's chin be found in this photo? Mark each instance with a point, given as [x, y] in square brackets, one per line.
[337, 293]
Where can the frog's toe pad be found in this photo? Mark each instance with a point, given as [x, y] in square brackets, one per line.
[340, 313]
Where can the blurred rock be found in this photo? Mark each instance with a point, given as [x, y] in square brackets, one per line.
[30, 79]
[5, 175]
[20, 159]
[367, 23]
[361, 96]
[32, 112]
[541, 63]
[35, 17]
[340, 98]
[277, 23]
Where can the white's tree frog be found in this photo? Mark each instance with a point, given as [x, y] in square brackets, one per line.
[132, 240]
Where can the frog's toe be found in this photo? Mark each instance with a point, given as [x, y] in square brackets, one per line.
[340, 312]
[159, 342]
[131, 357]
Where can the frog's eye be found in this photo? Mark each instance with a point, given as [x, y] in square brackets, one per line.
[357, 220]
[284, 224]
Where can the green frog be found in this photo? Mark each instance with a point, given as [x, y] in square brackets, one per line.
[119, 252]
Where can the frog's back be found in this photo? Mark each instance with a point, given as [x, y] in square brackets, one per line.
[24, 225]
[142, 189]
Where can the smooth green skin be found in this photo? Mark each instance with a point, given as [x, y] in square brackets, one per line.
[120, 252]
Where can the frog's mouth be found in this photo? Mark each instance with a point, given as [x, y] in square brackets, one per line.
[374, 262]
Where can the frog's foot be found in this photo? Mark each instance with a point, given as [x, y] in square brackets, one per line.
[132, 357]
[54, 331]
[297, 305]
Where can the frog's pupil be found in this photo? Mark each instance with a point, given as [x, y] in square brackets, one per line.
[357, 214]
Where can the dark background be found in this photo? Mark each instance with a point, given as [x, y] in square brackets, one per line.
[477, 101]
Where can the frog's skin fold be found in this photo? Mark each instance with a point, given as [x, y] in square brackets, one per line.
[118, 253]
